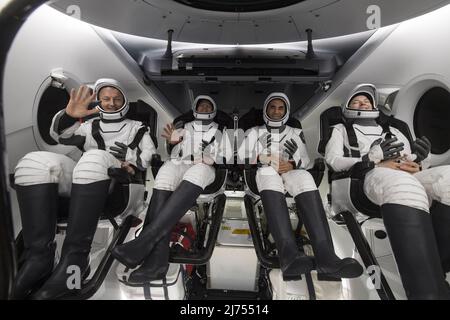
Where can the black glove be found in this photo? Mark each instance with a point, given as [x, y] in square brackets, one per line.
[421, 148]
[120, 152]
[290, 147]
[384, 150]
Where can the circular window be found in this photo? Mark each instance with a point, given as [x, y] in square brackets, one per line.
[431, 118]
[238, 5]
[52, 100]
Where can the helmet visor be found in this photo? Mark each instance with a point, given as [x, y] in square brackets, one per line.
[204, 106]
[362, 101]
[111, 99]
[276, 109]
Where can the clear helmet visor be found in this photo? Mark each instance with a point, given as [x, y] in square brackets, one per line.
[275, 112]
[361, 101]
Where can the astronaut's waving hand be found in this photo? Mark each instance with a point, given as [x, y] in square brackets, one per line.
[79, 102]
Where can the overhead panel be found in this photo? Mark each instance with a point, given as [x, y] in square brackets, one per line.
[244, 22]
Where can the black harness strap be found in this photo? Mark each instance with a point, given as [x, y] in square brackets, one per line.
[96, 134]
[352, 140]
[138, 137]
[386, 128]
[346, 152]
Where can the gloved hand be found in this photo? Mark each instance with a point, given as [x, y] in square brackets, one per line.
[421, 148]
[120, 152]
[290, 147]
[384, 150]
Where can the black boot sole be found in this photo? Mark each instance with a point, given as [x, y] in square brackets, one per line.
[306, 267]
[346, 272]
[35, 288]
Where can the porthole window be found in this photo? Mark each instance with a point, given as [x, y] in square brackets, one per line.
[52, 100]
[432, 119]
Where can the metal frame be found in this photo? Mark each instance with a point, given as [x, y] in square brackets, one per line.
[204, 254]
[90, 287]
[366, 253]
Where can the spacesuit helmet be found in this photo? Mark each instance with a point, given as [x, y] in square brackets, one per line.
[119, 113]
[357, 108]
[202, 115]
[276, 123]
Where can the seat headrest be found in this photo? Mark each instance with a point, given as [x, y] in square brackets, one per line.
[141, 111]
[254, 117]
[328, 118]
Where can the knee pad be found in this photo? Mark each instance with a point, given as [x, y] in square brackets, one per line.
[93, 167]
[37, 168]
[397, 187]
[169, 177]
[298, 181]
[269, 179]
[200, 174]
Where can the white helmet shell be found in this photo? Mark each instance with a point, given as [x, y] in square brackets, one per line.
[368, 90]
[204, 116]
[276, 123]
[118, 114]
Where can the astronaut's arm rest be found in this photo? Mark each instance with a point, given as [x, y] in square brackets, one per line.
[357, 171]
[121, 175]
[156, 161]
[226, 166]
[251, 166]
[319, 165]
[317, 171]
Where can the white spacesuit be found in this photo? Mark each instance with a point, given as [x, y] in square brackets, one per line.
[108, 141]
[281, 154]
[95, 137]
[404, 197]
[177, 185]
[201, 145]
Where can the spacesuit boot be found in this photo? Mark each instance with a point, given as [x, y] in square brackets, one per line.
[293, 262]
[156, 264]
[309, 205]
[133, 253]
[440, 215]
[87, 202]
[38, 208]
[411, 234]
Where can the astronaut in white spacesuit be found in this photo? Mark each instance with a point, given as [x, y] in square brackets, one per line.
[281, 153]
[404, 186]
[108, 141]
[179, 182]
